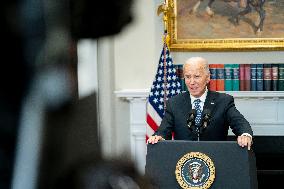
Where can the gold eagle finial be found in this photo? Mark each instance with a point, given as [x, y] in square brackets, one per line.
[161, 9]
[167, 11]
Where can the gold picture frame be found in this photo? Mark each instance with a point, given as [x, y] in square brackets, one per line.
[187, 34]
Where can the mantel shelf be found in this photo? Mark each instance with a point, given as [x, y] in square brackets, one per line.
[256, 94]
[143, 93]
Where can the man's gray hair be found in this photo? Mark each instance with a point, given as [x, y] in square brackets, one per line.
[199, 60]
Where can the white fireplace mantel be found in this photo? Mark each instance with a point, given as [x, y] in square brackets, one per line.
[143, 93]
[263, 109]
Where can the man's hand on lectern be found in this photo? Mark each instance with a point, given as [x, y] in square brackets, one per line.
[245, 140]
[154, 139]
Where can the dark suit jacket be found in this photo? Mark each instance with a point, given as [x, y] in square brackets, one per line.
[223, 115]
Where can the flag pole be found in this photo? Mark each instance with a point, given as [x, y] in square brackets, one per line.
[165, 72]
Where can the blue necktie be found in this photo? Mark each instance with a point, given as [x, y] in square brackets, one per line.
[198, 111]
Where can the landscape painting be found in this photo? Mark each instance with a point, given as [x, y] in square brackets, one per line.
[225, 25]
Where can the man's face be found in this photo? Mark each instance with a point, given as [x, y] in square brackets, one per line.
[196, 78]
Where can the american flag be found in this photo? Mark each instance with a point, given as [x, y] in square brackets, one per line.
[165, 85]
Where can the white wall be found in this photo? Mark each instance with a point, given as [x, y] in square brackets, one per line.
[135, 57]
[126, 60]
[233, 57]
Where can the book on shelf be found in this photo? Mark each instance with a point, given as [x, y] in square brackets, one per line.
[228, 71]
[253, 77]
[259, 77]
[247, 77]
[213, 77]
[267, 77]
[220, 84]
[179, 73]
[242, 77]
[281, 77]
[274, 70]
[236, 77]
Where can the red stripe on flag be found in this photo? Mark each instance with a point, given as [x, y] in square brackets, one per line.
[152, 123]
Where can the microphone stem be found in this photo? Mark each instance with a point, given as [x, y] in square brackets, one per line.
[198, 134]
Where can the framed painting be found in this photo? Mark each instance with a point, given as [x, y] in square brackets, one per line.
[225, 25]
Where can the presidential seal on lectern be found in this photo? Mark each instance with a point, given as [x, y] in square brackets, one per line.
[195, 170]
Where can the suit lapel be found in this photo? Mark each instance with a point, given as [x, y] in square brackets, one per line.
[187, 102]
[210, 102]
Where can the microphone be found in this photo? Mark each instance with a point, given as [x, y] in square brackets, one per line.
[191, 118]
[206, 118]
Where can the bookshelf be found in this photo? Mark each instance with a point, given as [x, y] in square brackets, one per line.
[242, 77]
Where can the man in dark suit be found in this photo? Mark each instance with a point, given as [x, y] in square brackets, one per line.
[219, 107]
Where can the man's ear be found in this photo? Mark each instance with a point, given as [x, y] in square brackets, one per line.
[208, 79]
